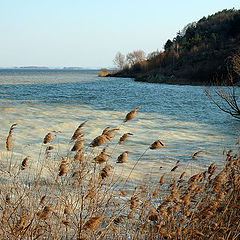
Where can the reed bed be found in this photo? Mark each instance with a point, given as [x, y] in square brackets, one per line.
[79, 196]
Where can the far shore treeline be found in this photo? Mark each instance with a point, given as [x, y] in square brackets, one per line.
[200, 54]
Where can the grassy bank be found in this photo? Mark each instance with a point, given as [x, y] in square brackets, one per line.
[78, 195]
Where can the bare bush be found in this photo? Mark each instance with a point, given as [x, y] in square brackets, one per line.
[227, 98]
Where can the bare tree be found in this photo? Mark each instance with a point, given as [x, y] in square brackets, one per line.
[135, 57]
[227, 98]
[119, 60]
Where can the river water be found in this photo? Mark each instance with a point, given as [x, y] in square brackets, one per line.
[183, 117]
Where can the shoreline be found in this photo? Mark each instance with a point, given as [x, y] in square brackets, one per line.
[161, 79]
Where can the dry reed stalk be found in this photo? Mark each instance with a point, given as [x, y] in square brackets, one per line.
[4, 217]
[186, 200]
[153, 215]
[161, 179]
[196, 154]
[182, 176]
[122, 192]
[9, 137]
[105, 130]
[78, 131]
[180, 227]
[8, 198]
[79, 156]
[195, 209]
[157, 144]
[131, 115]
[105, 172]
[49, 148]
[193, 178]
[123, 157]
[98, 141]
[21, 225]
[93, 223]
[63, 169]
[155, 192]
[124, 137]
[79, 145]
[101, 158]
[66, 222]
[25, 162]
[42, 200]
[68, 209]
[211, 169]
[110, 134]
[134, 202]
[46, 212]
[118, 220]
[175, 168]
[48, 138]
[220, 178]
[91, 192]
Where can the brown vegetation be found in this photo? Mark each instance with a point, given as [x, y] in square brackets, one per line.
[82, 199]
[197, 55]
[104, 73]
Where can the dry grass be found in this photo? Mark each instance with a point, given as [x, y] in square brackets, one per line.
[77, 196]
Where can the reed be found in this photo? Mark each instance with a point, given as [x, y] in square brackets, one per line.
[80, 195]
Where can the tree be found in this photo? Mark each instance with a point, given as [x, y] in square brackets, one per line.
[119, 60]
[152, 55]
[227, 98]
[213, 37]
[168, 45]
[135, 57]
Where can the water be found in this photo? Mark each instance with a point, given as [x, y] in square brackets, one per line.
[181, 116]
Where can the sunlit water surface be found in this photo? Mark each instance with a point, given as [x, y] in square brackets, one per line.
[181, 116]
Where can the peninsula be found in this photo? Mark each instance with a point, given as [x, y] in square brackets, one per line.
[200, 54]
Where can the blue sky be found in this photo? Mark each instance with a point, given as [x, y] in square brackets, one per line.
[88, 33]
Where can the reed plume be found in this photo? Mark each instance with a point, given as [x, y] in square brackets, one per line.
[49, 148]
[79, 145]
[123, 157]
[105, 172]
[161, 179]
[79, 156]
[98, 141]
[68, 209]
[93, 223]
[105, 130]
[196, 154]
[78, 131]
[21, 225]
[124, 137]
[102, 157]
[110, 133]
[89, 203]
[9, 137]
[131, 115]
[25, 162]
[48, 138]
[46, 212]
[42, 200]
[157, 144]
[174, 168]
[63, 169]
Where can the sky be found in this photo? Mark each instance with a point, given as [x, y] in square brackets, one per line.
[89, 33]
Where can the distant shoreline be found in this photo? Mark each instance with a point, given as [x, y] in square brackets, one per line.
[49, 68]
